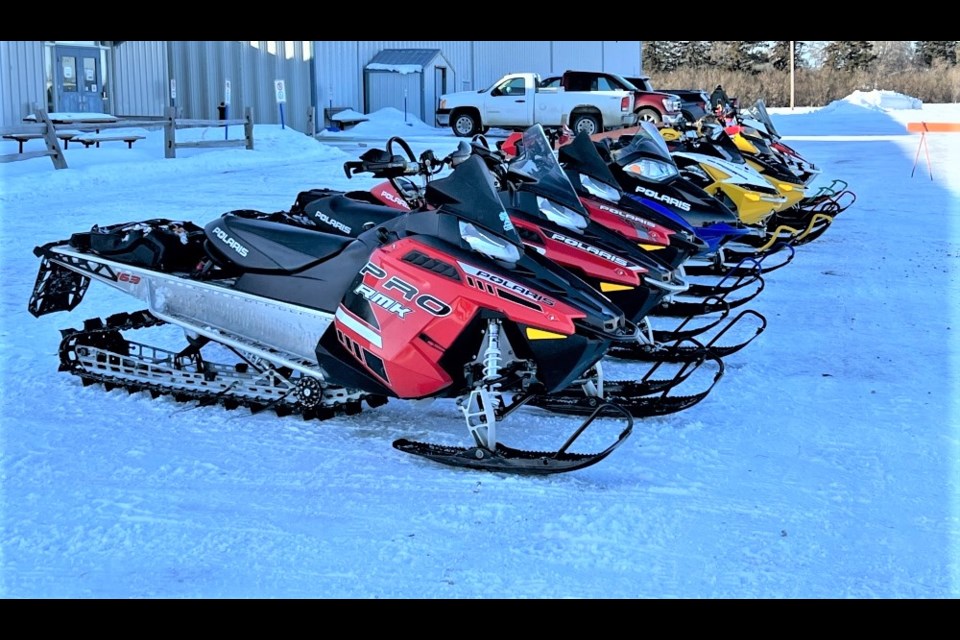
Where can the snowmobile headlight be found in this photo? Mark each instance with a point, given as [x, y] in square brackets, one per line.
[488, 244]
[652, 170]
[600, 189]
[561, 215]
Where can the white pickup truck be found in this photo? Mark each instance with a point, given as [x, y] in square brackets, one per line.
[516, 101]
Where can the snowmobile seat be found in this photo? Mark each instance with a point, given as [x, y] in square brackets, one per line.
[265, 246]
[354, 214]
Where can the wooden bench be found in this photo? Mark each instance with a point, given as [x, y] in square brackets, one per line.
[345, 118]
[90, 139]
[66, 136]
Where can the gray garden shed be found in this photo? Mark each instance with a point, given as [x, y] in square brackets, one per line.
[410, 80]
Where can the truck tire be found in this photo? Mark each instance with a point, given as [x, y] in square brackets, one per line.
[465, 124]
[586, 123]
[650, 115]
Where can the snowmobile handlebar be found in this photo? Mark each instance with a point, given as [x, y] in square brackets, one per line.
[385, 163]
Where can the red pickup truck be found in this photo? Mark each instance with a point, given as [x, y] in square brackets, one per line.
[654, 106]
[694, 103]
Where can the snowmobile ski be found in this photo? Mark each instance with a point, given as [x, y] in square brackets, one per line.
[645, 398]
[734, 263]
[518, 461]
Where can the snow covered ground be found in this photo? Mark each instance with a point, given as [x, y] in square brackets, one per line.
[823, 465]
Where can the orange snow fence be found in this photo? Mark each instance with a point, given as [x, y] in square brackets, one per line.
[932, 127]
[923, 128]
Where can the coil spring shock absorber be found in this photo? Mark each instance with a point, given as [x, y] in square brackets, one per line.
[479, 408]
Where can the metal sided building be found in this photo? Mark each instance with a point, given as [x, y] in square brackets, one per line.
[211, 79]
[145, 78]
[343, 77]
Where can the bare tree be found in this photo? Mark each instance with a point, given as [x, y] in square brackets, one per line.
[893, 56]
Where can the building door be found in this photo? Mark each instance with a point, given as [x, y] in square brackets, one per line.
[440, 80]
[439, 88]
[79, 80]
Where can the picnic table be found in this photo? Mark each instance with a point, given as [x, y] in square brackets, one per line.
[68, 117]
[80, 118]
[66, 136]
[345, 118]
[90, 139]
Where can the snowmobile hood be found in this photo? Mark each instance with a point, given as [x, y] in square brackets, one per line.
[470, 194]
[668, 188]
[582, 153]
[584, 157]
[537, 160]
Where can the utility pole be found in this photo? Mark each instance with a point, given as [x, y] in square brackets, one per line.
[792, 81]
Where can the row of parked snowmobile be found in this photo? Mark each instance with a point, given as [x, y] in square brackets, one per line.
[499, 276]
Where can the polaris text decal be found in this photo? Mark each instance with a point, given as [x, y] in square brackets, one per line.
[664, 198]
[336, 224]
[627, 216]
[583, 246]
[386, 195]
[230, 242]
[506, 284]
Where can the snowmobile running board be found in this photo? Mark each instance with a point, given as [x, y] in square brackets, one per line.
[508, 460]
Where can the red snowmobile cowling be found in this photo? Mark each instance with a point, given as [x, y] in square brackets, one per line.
[413, 328]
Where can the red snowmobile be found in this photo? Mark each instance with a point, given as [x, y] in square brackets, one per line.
[439, 304]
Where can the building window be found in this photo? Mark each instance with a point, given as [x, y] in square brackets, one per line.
[68, 73]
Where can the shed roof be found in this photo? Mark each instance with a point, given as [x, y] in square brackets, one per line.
[402, 59]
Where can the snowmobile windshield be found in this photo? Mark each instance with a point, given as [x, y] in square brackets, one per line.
[646, 156]
[759, 113]
[557, 198]
[725, 147]
[469, 194]
[581, 154]
[646, 141]
[755, 137]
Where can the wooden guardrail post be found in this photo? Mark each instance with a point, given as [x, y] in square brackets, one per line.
[312, 121]
[248, 126]
[51, 139]
[170, 133]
